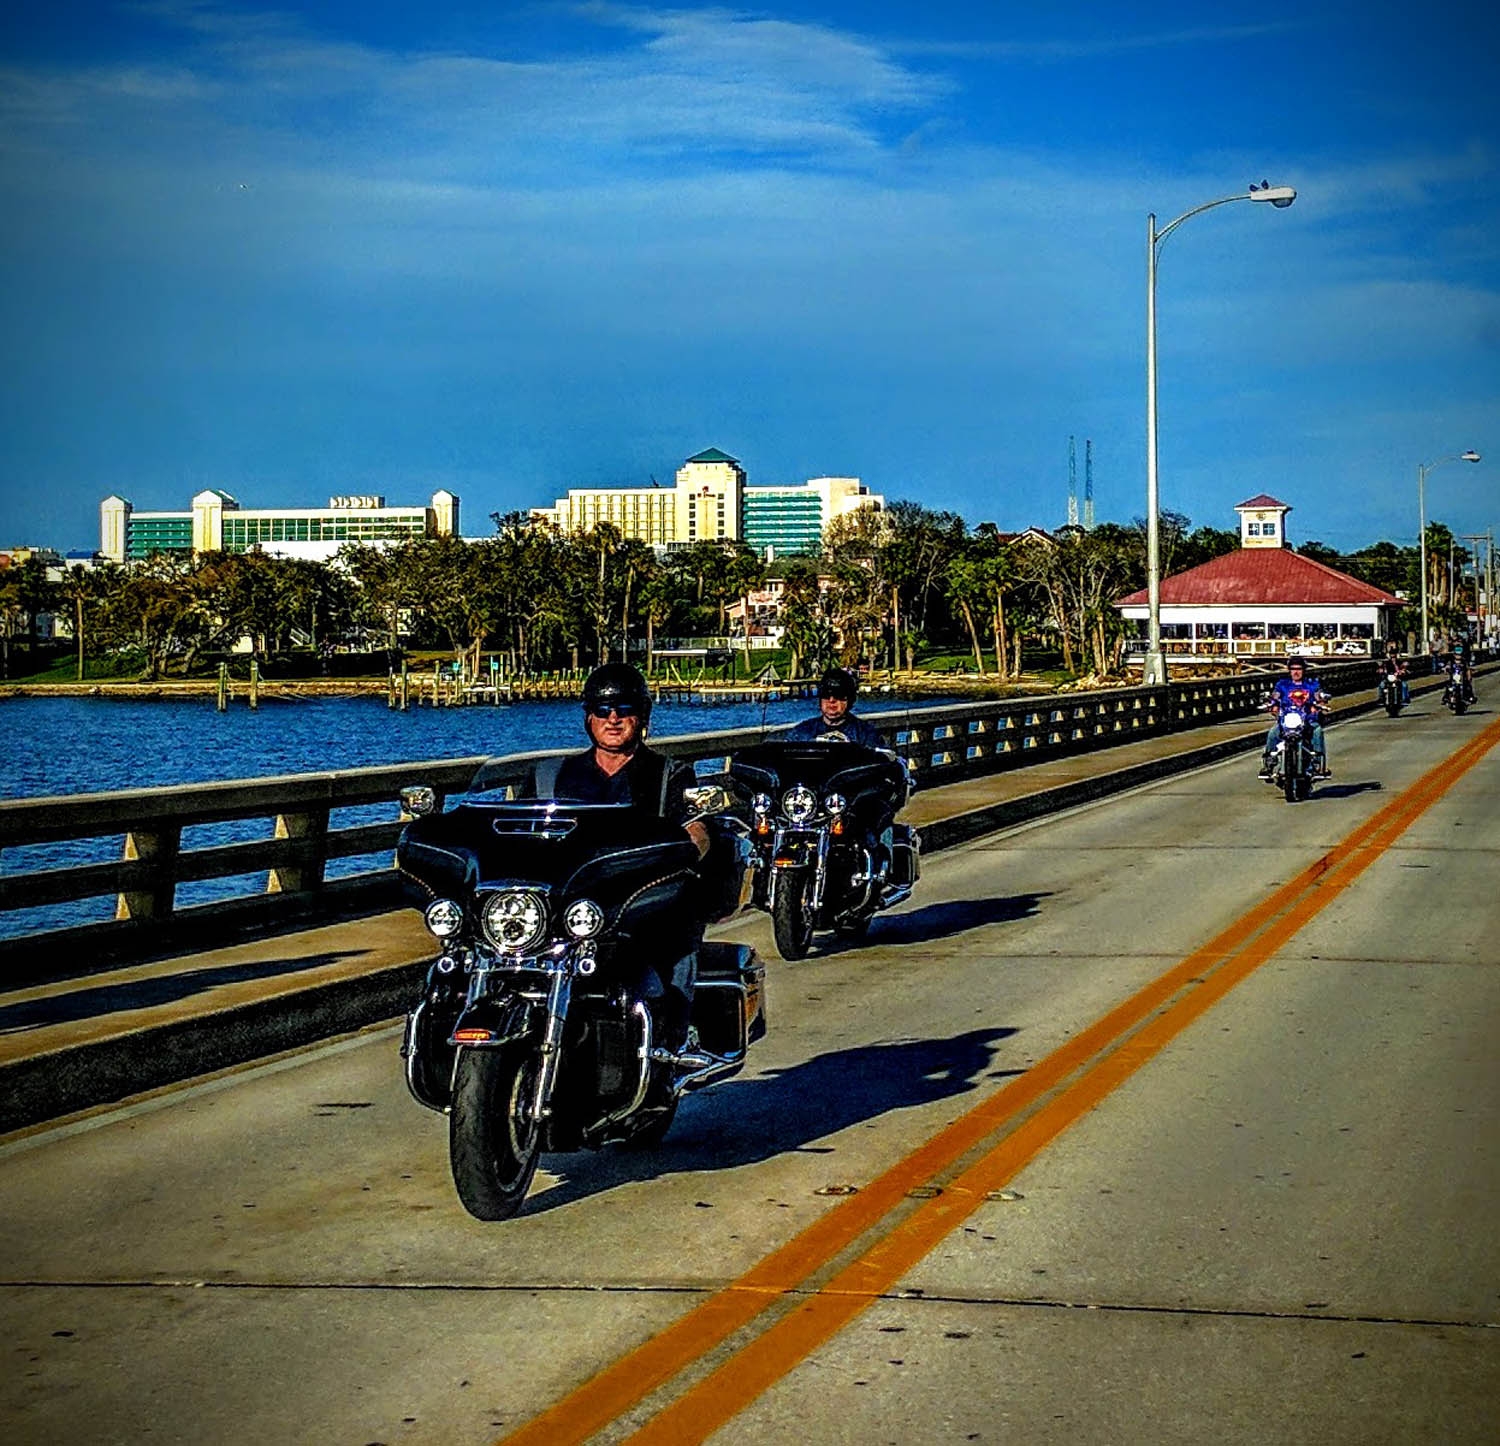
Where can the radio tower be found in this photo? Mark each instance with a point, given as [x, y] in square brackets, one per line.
[1072, 484]
[1088, 486]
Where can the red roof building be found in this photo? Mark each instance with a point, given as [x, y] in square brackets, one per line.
[1264, 601]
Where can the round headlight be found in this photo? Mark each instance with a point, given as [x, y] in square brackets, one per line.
[835, 803]
[515, 920]
[761, 803]
[444, 918]
[1291, 720]
[584, 919]
[800, 803]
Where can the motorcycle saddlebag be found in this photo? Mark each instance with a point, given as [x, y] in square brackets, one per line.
[906, 854]
[729, 1001]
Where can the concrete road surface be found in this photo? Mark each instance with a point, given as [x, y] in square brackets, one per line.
[1266, 1216]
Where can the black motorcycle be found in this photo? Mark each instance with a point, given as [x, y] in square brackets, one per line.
[535, 1030]
[828, 853]
[1456, 690]
[1391, 690]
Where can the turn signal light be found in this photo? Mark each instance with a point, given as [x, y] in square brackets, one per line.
[473, 1036]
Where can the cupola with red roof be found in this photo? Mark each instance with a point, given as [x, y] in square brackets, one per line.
[1263, 522]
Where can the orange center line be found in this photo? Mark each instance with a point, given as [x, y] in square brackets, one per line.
[1126, 1037]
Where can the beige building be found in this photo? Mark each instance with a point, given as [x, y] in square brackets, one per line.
[712, 501]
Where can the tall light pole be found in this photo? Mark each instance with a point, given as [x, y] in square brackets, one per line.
[1422, 472]
[1155, 665]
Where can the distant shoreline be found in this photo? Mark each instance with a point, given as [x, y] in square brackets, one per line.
[945, 685]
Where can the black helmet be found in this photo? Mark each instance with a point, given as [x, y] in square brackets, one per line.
[618, 683]
[839, 683]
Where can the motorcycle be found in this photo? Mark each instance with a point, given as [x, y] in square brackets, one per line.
[828, 854]
[1293, 759]
[1456, 690]
[1391, 690]
[534, 1031]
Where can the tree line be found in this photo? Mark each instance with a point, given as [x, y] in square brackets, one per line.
[884, 588]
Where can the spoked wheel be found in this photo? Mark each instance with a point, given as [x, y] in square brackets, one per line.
[493, 1146]
[792, 918]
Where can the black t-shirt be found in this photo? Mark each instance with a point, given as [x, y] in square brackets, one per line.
[648, 781]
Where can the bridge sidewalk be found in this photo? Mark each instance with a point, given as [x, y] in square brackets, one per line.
[102, 1037]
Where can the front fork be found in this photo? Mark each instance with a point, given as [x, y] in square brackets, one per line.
[559, 996]
[819, 866]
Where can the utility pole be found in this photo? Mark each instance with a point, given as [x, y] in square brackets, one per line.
[1481, 608]
[1088, 486]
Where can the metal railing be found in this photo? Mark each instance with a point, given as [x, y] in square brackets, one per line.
[145, 827]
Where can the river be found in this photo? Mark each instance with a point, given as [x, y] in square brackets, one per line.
[54, 746]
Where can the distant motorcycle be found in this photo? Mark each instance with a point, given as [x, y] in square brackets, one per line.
[1456, 690]
[819, 815]
[532, 1033]
[1391, 690]
[1293, 758]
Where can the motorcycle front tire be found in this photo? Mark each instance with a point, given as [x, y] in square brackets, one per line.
[1460, 705]
[492, 1148]
[1292, 780]
[792, 919]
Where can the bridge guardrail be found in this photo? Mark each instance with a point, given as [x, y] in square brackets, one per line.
[942, 744]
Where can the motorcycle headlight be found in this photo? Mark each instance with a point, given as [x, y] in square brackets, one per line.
[835, 803]
[444, 918]
[1291, 720]
[583, 919]
[515, 920]
[799, 803]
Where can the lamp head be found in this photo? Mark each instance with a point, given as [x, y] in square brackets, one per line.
[1468, 456]
[1279, 196]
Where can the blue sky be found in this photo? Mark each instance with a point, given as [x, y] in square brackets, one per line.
[509, 248]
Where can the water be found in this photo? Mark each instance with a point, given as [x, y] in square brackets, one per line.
[54, 746]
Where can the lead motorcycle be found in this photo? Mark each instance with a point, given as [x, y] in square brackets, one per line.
[534, 1031]
[1293, 759]
[827, 852]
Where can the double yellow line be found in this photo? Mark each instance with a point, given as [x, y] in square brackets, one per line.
[1011, 1127]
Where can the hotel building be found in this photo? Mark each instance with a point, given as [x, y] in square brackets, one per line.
[713, 501]
[217, 523]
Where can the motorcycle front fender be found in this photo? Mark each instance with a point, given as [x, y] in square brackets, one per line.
[490, 1022]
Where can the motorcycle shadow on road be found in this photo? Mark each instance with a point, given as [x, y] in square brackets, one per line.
[745, 1121]
[1347, 790]
[938, 921]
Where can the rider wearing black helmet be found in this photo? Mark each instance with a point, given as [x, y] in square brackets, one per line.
[837, 690]
[619, 768]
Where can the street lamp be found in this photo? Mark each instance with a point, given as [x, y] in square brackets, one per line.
[1154, 669]
[1422, 470]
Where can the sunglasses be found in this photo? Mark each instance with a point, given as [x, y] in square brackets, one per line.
[620, 710]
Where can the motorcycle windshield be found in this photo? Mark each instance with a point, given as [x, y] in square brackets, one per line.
[525, 820]
[827, 767]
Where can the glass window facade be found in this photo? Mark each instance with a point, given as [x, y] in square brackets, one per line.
[145, 535]
[788, 519]
[244, 530]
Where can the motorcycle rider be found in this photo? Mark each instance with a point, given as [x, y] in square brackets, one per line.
[1459, 657]
[1393, 665]
[1296, 681]
[837, 690]
[620, 768]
